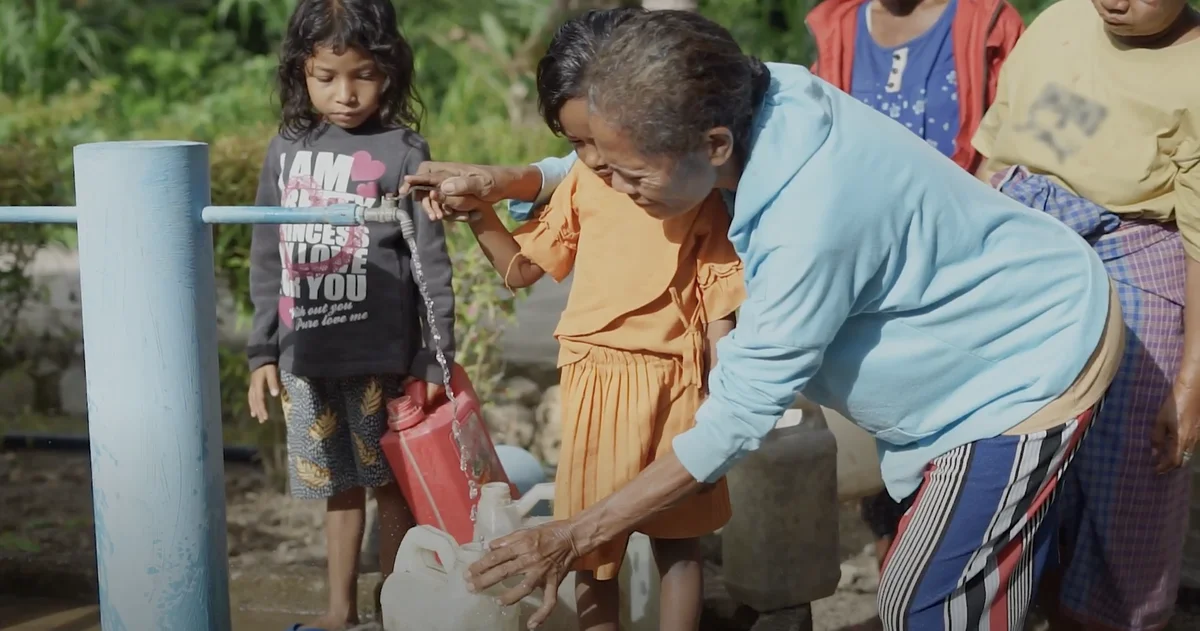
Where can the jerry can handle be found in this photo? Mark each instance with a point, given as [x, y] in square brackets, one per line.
[539, 492]
[417, 553]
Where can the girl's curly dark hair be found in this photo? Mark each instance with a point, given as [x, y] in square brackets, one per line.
[369, 25]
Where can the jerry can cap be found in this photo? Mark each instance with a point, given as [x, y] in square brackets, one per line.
[403, 413]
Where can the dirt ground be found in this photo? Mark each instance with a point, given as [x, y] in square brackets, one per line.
[46, 512]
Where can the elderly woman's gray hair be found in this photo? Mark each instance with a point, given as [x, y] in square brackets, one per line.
[667, 77]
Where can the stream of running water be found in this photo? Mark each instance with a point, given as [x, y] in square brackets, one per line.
[436, 334]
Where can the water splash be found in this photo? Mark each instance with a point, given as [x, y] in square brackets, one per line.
[436, 334]
[391, 211]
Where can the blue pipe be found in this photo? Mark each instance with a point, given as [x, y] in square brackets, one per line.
[38, 214]
[338, 215]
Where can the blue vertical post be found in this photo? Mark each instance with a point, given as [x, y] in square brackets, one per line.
[150, 341]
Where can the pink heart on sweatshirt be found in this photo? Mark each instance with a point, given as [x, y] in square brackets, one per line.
[285, 310]
[368, 190]
[366, 168]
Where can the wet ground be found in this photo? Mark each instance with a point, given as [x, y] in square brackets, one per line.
[52, 615]
[275, 547]
[276, 552]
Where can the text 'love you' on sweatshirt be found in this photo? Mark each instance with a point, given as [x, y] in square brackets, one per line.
[341, 301]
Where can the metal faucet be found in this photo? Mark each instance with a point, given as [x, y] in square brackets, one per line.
[388, 211]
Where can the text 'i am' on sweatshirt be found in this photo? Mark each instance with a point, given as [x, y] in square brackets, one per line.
[341, 301]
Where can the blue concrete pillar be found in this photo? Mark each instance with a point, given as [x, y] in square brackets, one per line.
[150, 340]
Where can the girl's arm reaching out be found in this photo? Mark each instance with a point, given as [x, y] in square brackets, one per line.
[503, 251]
[545, 245]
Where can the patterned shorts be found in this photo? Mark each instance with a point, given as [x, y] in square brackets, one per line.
[333, 432]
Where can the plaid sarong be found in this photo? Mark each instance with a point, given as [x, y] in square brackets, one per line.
[1123, 525]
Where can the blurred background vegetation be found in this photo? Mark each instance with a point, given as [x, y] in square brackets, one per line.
[74, 71]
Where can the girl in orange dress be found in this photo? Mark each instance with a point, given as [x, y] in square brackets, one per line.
[648, 301]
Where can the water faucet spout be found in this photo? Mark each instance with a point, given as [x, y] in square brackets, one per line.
[389, 211]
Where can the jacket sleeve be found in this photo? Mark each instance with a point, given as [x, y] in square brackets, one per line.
[554, 171]
[1009, 27]
[799, 296]
[262, 347]
[435, 264]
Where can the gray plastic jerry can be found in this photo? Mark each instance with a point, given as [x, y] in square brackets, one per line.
[780, 548]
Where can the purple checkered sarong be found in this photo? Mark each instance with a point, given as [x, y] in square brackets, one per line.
[1123, 524]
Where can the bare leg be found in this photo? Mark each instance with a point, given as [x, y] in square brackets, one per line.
[394, 522]
[681, 565]
[344, 516]
[597, 602]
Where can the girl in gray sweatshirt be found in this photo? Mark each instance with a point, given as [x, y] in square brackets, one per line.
[337, 327]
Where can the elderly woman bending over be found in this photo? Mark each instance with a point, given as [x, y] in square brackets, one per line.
[972, 337]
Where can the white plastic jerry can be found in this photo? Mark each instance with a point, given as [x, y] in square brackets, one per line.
[427, 591]
[498, 515]
[639, 578]
[639, 585]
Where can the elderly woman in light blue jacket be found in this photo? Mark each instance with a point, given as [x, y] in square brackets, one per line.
[973, 337]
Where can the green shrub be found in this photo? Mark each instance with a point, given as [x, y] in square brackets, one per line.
[44, 47]
[86, 71]
[29, 176]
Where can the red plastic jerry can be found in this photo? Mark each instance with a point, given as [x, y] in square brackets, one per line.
[425, 457]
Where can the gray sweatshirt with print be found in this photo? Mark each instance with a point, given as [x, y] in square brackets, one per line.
[332, 301]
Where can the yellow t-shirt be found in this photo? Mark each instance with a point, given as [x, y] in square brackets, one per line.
[1116, 125]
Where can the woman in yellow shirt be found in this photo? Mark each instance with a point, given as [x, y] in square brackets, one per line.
[1096, 121]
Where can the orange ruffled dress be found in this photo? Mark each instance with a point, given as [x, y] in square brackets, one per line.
[632, 343]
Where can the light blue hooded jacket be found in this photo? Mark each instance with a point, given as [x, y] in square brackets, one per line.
[888, 284]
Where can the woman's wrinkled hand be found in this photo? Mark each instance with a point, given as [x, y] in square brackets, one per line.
[543, 555]
[1176, 430]
[445, 189]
